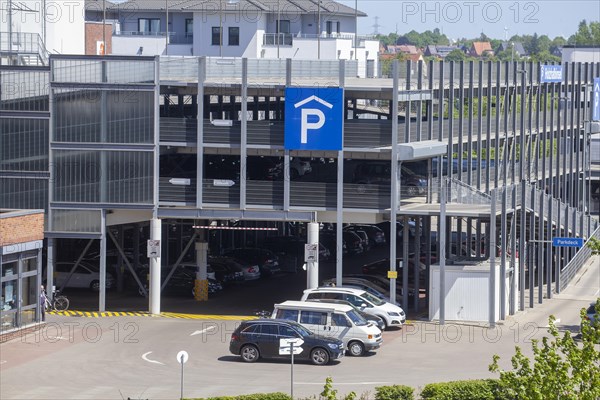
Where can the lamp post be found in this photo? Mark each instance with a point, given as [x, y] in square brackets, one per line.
[319, 30]
[167, 27]
[355, 28]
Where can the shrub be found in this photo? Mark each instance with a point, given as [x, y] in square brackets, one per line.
[256, 396]
[396, 392]
[484, 389]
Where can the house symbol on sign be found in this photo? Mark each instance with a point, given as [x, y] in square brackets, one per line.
[314, 112]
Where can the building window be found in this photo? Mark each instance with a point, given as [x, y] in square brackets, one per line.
[149, 25]
[331, 25]
[234, 36]
[189, 27]
[283, 26]
[216, 36]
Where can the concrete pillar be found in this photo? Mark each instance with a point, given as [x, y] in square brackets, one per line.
[201, 284]
[155, 234]
[312, 268]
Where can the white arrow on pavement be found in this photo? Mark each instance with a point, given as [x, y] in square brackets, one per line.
[202, 331]
[145, 358]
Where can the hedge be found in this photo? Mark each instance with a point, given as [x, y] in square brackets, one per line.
[483, 389]
[396, 392]
[256, 396]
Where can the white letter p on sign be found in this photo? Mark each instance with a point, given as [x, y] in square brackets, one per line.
[305, 125]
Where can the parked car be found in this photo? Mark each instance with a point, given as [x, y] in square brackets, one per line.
[292, 246]
[375, 234]
[375, 320]
[328, 239]
[390, 313]
[180, 283]
[381, 268]
[240, 272]
[257, 339]
[299, 167]
[333, 320]
[412, 228]
[267, 261]
[353, 242]
[375, 289]
[380, 172]
[85, 276]
[364, 238]
[193, 268]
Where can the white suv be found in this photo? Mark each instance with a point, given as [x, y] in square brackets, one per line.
[391, 314]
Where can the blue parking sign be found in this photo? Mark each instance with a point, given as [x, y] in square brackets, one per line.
[314, 118]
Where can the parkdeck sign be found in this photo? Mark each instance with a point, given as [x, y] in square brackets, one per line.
[551, 74]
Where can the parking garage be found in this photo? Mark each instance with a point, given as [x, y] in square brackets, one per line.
[128, 147]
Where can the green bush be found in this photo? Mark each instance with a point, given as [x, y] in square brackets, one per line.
[256, 396]
[396, 392]
[484, 389]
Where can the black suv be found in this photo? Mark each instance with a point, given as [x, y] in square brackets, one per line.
[261, 338]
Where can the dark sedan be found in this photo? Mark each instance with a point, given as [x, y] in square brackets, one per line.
[261, 339]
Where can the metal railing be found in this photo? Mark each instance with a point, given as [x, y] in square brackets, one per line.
[281, 39]
[575, 264]
[23, 43]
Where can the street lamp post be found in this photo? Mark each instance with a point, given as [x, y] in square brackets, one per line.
[167, 28]
[355, 28]
[319, 30]
[278, 26]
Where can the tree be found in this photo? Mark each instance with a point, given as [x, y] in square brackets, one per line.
[586, 34]
[544, 57]
[456, 55]
[594, 244]
[561, 369]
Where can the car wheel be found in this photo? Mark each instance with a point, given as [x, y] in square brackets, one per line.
[249, 353]
[319, 356]
[356, 349]
[412, 190]
[95, 286]
[385, 324]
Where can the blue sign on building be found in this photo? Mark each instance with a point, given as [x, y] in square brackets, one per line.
[313, 118]
[551, 74]
[596, 100]
[567, 242]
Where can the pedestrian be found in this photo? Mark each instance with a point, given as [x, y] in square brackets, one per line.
[43, 303]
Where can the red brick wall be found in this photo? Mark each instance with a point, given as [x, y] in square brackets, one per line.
[93, 34]
[21, 229]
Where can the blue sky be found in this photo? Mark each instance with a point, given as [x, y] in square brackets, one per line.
[469, 18]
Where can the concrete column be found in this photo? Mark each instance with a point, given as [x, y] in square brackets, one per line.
[102, 266]
[155, 234]
[201, 284]
[312, 268]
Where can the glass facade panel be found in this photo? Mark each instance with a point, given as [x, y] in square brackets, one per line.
[29, 264]
[9, 295]
[27, 316]
[107, 71]
[19, 193]
[23, 144]
[78, 116]
[8, 320]
[106, 176]
[29, 290]
[24, 90]
[10, 269]
[89, 221]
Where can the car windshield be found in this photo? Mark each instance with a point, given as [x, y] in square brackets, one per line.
[356, 318]
[372, 299]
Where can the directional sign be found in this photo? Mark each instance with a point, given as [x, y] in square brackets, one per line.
[153, 248]
[313, 118]
[596, 100]
[311, 253]
[551, 74]
[285, 345]
[223, 182]
[567, 242]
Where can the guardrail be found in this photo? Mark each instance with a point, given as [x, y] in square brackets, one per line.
[571, 269]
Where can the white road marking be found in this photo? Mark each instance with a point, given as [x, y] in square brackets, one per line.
[557, 320]
[202, 331]
[3, 362]
[145, 358]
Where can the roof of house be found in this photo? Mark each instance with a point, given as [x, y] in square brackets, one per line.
[518, 46]
[479, 48]
[408, 48]
[287, 6]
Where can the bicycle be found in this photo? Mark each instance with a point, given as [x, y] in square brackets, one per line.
[58, 303]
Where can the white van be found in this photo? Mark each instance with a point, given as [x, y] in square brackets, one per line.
[391, 314]
[333, 320]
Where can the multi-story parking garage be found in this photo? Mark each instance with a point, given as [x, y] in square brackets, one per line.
[107, 143]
